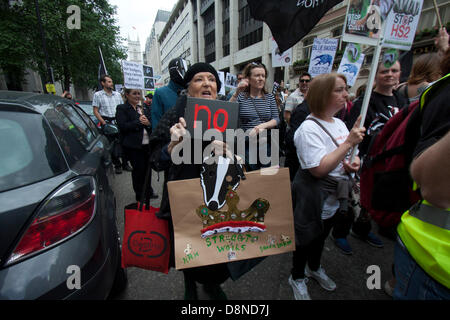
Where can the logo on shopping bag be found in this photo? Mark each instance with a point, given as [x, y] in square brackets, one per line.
[149, 244]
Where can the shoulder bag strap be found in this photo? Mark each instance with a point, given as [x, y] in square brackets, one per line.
[324, 129]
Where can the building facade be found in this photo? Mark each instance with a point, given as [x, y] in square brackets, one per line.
[134, 50]
[152, 53]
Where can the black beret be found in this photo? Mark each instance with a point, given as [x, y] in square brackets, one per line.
[201, 67]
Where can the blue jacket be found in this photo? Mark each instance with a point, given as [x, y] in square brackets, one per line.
[163, 100]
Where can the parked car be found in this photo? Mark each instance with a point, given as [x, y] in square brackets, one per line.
[87, 107]
[59, 238]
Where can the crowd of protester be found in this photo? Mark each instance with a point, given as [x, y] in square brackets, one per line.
[322, 125]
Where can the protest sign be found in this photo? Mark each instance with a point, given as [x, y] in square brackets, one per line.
[280, 59]
[212, 114]
[137, 76]
[351, 62]
[322, 56]
[222, 80]
[401, 24]
[256, 221]
[364, 21]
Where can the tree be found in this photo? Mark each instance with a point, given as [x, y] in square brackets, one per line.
[73, 53]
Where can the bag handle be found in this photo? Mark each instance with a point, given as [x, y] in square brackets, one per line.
[147, 184]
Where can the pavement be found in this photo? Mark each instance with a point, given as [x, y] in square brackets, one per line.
[354, 274]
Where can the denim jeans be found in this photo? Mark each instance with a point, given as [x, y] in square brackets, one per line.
[413, 283]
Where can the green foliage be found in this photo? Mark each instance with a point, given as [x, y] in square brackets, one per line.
[73, 53]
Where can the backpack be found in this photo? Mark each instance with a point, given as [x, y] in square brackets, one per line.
[386, 185]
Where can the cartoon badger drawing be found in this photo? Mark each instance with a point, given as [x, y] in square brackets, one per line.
[323, 59]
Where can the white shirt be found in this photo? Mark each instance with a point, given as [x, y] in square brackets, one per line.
[107, 103]
[294, 100]
[313, 143]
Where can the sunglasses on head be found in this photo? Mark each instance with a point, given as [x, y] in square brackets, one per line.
[256, 64]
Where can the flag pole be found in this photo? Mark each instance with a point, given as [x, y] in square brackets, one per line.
[437, 14]
[368, 91]
[103, 61]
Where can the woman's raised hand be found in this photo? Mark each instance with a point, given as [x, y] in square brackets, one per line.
[177, 132]
[356, 135]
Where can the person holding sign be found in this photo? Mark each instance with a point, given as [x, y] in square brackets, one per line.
[201, 81]
[258, 108]
[321, 188]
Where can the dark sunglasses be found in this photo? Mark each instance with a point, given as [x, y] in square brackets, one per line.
[304, 81]
[257, 64]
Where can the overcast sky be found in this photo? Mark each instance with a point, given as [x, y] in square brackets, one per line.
[140, 14]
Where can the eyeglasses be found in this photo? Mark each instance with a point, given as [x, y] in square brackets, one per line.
[304, 80]
[136, 93]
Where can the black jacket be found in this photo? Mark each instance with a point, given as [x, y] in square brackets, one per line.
[377, 112]
[131, 129]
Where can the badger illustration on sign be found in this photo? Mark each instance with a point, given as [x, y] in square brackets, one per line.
[219, 182]
[350, 68]
[323, 59]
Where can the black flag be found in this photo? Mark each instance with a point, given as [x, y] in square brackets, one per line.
[101, 70]
[290, 20]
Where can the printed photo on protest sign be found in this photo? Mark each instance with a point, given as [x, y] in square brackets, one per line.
[365, 20]
[322, 56]
[255, 221]
[401, 24]
[351, 62]
[210, 114]
[280, 59]
[222, 80]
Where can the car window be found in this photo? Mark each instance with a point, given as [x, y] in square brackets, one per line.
[28, 150]
[88, 121]
[80, 129]
[68, 136]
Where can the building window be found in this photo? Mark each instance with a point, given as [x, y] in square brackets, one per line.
[307, 46]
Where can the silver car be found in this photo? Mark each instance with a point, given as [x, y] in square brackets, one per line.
[58, 234]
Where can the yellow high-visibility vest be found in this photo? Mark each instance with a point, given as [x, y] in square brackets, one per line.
[424, 229]
[428, 242]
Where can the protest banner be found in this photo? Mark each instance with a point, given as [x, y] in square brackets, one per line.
[137, 76]
[322, 56]
[290, 20]
[212, 114]
[351, 62]
[280, 59]
[256, 221]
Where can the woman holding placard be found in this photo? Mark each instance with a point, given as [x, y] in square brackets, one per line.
[322, 187]
[201, 81]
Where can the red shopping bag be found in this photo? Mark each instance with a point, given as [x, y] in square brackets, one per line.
[146, 241]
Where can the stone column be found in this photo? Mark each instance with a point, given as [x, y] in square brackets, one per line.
[218, 22]
[234, 36]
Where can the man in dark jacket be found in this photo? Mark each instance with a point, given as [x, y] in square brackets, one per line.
[166, 97]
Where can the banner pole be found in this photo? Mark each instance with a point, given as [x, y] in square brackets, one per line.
[437, 14]
[368, 92]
